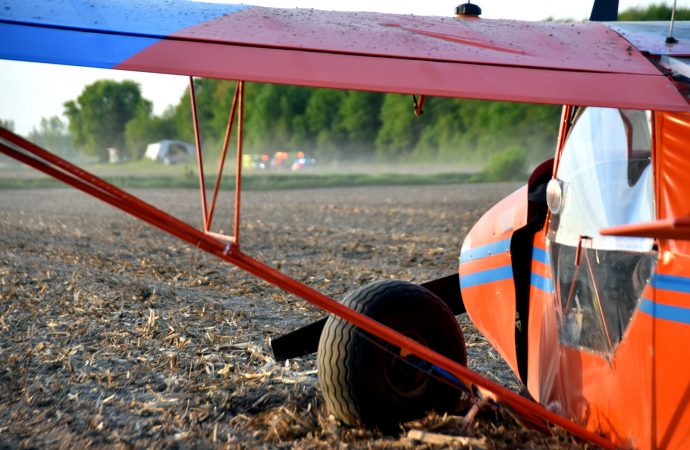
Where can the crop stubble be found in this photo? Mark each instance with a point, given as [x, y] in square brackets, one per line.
[115, 334]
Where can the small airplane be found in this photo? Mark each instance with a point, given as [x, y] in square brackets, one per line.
[580, 279]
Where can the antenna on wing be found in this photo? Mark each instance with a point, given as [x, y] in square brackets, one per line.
[467, 10]
[670, 39]
[604, 11]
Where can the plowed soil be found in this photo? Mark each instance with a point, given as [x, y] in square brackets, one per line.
[114, 334]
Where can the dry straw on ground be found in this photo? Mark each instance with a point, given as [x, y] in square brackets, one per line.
[113, 334]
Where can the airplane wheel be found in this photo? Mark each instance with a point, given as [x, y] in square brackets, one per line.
[365, 381]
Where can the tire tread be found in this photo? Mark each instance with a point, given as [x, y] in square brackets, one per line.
[340, 345]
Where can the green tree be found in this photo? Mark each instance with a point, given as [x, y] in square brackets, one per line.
[275, 117]
[445, 123]
[493, 126]
[321, 116]
[53, 135]
[400, 128]
[262, 114]
[145, 128]
[509, 164]
[213, 100]
[97, 119]
[359, 120]
[653, 12]
[7, 123]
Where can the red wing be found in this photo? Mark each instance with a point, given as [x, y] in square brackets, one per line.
[547, 62]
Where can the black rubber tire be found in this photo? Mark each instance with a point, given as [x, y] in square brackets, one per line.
[366, 385]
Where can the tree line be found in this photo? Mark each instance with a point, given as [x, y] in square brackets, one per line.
[329, 124]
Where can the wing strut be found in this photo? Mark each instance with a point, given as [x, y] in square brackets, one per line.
[206, 211]
[418, 104]
[30, 154]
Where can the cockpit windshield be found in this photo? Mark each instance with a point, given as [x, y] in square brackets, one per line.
[604, 179]
[607, 178]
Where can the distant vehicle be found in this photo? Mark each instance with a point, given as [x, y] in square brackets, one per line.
[170, 151]
[279, 160]
[291, 160]
[261, 161]
[302, 162]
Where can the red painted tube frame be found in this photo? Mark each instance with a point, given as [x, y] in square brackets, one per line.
[670, 228]
[224, 153]
[199, 155]
[206, 210]
[28, 153]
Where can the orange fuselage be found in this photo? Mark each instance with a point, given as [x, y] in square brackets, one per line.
[634, 384]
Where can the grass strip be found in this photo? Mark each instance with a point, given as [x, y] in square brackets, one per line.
[263, 182]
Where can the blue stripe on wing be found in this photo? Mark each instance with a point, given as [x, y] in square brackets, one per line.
[150, 17]
[57, 46]
[95, 33]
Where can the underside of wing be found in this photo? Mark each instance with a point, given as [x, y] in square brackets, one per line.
[539, 62]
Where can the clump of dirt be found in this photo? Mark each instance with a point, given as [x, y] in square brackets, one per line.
[115, 334]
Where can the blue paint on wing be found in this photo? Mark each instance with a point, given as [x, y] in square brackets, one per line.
[97, 33]
[150, 17]
[56, 46]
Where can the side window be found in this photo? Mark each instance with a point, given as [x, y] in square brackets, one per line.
[604, 179]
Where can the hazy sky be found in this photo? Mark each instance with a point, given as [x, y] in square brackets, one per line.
[29, 91]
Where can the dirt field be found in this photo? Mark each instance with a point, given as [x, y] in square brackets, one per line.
[113, 334]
